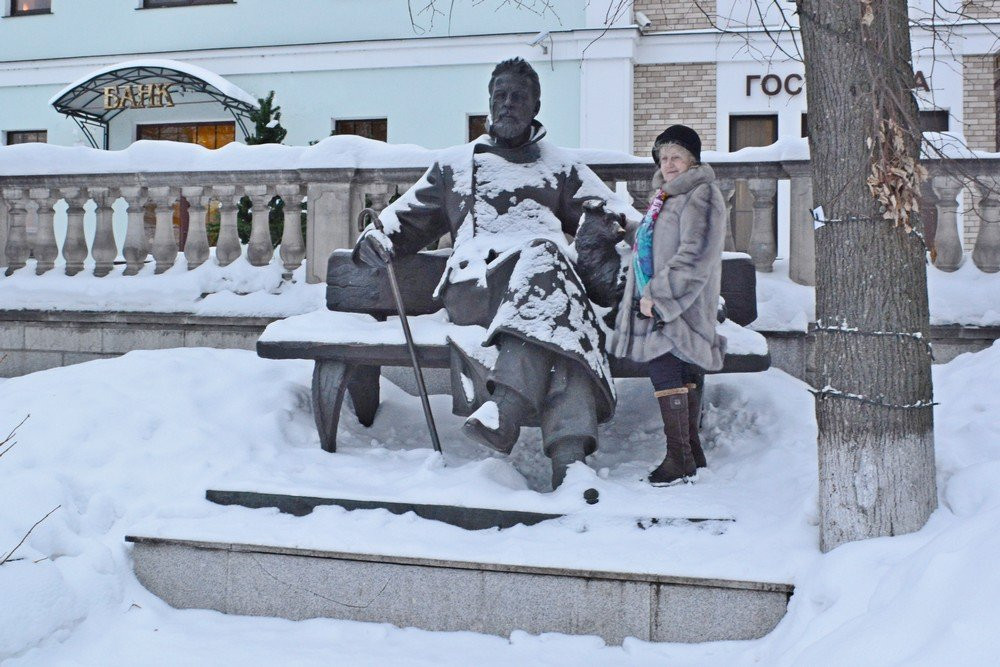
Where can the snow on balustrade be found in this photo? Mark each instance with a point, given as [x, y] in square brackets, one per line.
[160, 205]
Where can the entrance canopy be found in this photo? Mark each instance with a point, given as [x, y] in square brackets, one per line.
[99, 97]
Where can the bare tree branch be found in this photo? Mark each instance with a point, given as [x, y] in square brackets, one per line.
[18, 545]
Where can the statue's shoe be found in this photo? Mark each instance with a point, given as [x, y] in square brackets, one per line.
[486, 427]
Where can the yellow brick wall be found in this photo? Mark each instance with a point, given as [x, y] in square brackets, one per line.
[664, 95]
[982, 9]
[676, 14]
[979, 109]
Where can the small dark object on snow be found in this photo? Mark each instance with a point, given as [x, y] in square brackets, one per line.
[591, 496]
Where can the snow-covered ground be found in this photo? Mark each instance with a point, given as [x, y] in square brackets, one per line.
[129, 445]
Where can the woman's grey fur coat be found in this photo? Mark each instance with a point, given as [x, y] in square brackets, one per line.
[687, 258]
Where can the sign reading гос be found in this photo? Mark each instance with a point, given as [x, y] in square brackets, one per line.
[145, 96]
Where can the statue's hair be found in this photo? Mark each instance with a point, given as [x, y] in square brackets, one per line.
[519, 67]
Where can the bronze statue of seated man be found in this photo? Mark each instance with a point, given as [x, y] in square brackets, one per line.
[509, 201]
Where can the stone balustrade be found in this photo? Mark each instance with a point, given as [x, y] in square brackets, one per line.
[147, 205]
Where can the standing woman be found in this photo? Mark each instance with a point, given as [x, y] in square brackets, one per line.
[667, 317]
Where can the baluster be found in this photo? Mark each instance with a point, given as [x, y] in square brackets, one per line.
[293, 249]
[379, 196]
[331, 223]
[228, 248]
[44, 249]
[763, 244]
[136, 247]
[986, 252]
[3, 231]
[74, 248]
[728, 188]
[104, 248]
[947, 245]
[164, 241]
[259, 250]
[802, 228]
[16, 248]
[639, 190]
[196, 244]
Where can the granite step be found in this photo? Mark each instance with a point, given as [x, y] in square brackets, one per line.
[448, 595]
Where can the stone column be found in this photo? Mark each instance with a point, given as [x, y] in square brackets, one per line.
[228, 248]
[196, 244]
[104, 248]
[3, 231]
[802, 228]
[293, 248]
[45, 248]
[164, 241]
[74, 248]
[16, 247]
[763, 244]
[986, 252]
[728, 188]
[328, 227]
[947, 244]
[135, 247]
[259, 249]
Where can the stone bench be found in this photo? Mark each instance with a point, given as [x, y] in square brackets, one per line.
[359, 334]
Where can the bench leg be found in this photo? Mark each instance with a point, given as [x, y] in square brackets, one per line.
[330, 380]
[363, 387]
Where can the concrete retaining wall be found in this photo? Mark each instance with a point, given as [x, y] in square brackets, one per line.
[442, 595]
[36, 340]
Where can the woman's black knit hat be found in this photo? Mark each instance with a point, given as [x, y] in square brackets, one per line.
[683, 136]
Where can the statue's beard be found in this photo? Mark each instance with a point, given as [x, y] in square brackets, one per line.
[509, 128]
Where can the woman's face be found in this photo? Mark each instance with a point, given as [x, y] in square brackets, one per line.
[674, 161]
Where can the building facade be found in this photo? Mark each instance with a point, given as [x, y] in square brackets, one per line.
[613, 74]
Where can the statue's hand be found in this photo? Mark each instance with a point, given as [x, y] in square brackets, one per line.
[374, 249]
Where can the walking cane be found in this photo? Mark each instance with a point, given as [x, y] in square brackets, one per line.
[370, 214]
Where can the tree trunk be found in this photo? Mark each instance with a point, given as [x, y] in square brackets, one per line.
[876, 461]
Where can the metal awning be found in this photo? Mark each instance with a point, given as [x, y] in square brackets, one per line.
[143, 84]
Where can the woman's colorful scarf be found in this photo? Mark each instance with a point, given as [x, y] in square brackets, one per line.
[643, 249]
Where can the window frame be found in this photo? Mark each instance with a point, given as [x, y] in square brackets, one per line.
[741, 116]
[335, 121]
[926, 116]
[7, 133]
[13, 11]
[468, 125]
[193, 124]
[178, 4]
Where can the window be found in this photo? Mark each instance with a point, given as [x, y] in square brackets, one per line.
[26, 7]
[752, 131]
[154, 4]
[935, 120]
[477, 126]
[27, 137]
[209, 135]
[371, 128]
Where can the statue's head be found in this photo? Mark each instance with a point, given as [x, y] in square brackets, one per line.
[515, 98]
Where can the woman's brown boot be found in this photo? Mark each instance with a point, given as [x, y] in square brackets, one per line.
[678, 463]
[694, 422]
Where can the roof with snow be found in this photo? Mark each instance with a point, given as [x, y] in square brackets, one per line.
[86, 100]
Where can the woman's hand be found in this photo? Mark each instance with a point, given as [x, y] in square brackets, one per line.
[646, 306]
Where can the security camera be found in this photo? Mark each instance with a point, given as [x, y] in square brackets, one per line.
[538, 38]
[642, 20]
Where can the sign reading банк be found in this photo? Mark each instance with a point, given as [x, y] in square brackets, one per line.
[135, 96]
